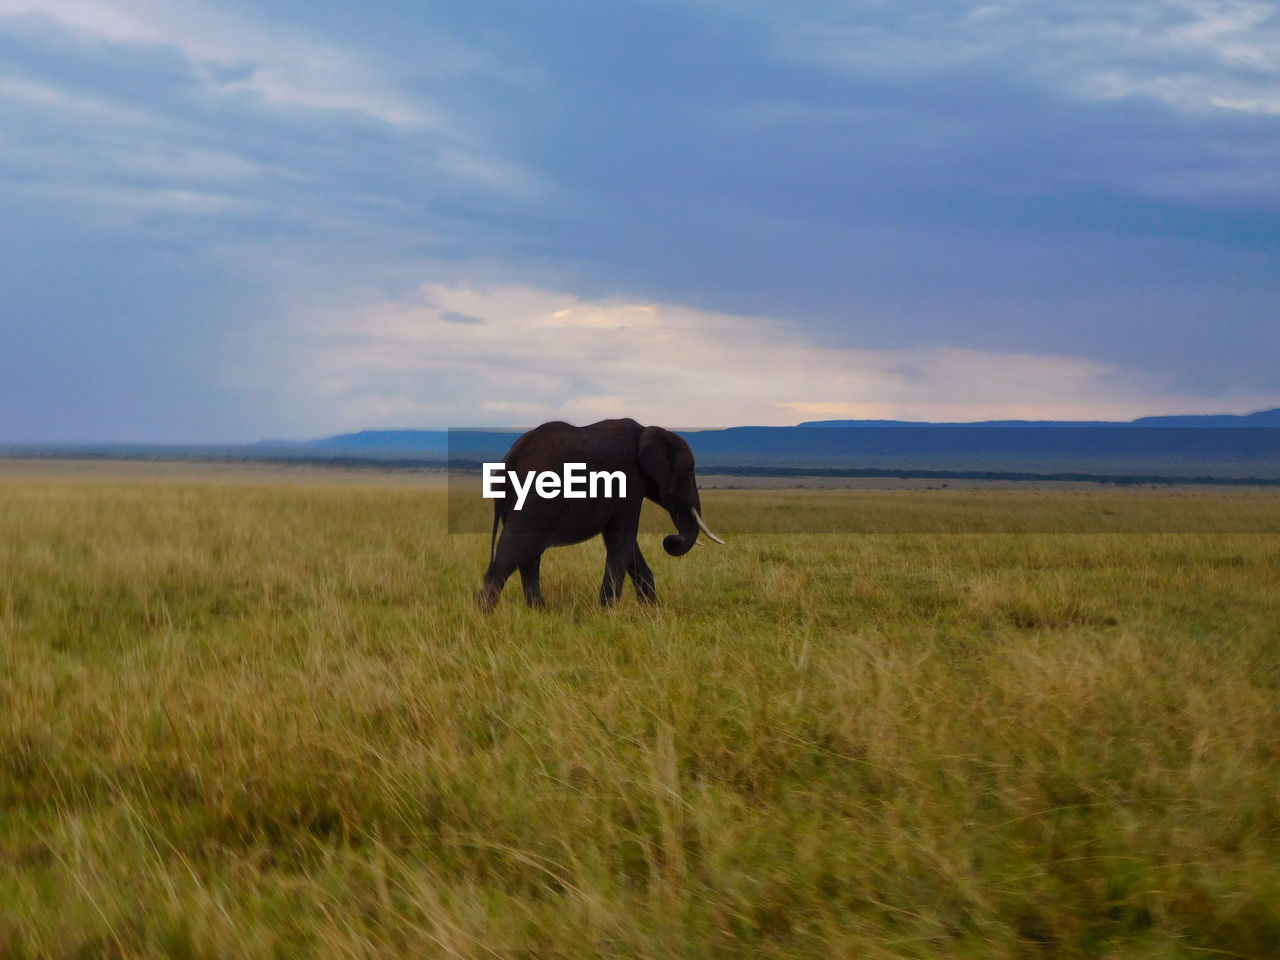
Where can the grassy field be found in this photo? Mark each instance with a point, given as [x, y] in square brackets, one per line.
[247, 716]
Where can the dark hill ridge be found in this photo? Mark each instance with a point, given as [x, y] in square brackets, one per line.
[438, 440]
[1263, 418]
[388, 440]
[1221, 447]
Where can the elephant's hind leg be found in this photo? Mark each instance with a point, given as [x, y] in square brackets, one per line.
[529, 577]
[495, 579]
[506, 558]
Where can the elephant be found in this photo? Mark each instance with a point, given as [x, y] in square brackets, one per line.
[657, 465]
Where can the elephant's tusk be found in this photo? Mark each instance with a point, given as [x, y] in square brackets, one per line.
[704, 528]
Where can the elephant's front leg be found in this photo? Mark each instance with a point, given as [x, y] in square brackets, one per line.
[616, 563]
[642, 577]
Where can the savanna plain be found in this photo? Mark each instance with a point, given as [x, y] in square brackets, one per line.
[257, 714]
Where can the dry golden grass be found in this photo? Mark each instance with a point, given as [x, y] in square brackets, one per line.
[265, 719]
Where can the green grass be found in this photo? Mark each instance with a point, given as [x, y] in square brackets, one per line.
[267, 720]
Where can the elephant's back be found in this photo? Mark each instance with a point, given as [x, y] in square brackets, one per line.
[607, 444]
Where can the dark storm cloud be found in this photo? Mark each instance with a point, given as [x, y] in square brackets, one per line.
[181, 179]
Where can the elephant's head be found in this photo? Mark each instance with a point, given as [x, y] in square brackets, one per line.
[667, 463]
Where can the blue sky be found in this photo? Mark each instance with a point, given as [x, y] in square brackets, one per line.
[243, 220]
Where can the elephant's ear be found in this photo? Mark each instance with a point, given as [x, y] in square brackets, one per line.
[654, 454]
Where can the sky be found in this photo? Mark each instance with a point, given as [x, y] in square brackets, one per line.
[282, 219]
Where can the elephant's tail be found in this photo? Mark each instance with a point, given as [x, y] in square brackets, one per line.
[493, 537]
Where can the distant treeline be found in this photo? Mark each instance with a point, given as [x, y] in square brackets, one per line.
[732, 470]
[474, 466]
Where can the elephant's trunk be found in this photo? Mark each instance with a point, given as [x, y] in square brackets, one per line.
[678, 544]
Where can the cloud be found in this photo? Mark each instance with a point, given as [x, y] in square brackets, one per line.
[17, 88]
[232, 54]
[933, 194]
[1192, 55]
[543, 354]
[454, 317]
[161, 90]
[110, 111]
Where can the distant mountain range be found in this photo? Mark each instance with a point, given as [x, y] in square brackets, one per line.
[1221, 448]
[1263, 418]
[385, 442]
